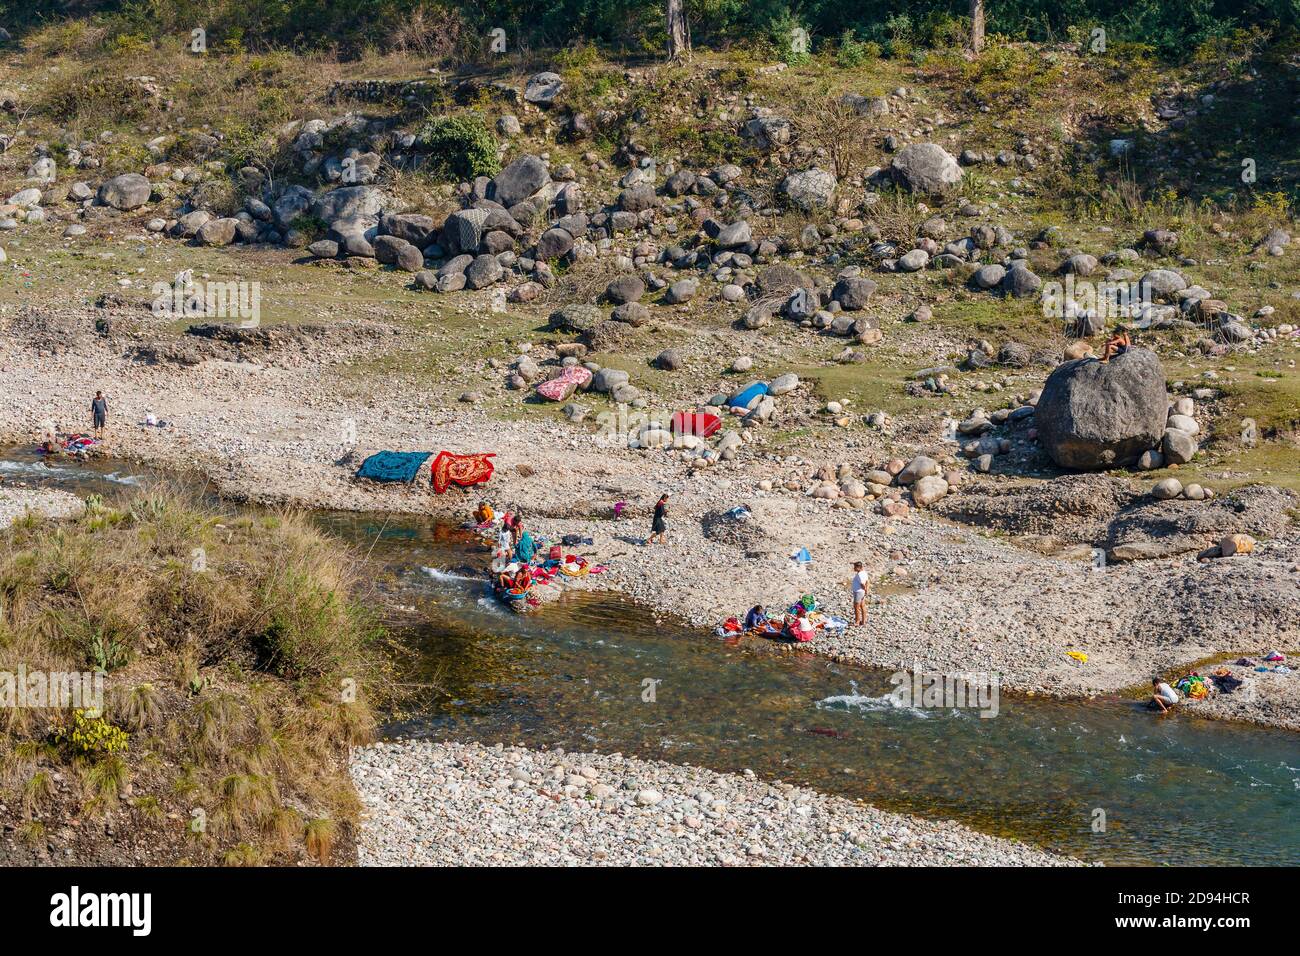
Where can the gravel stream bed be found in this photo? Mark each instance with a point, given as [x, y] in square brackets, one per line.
[443, 803]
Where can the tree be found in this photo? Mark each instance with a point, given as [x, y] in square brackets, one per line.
[679, 41]
[977, 25]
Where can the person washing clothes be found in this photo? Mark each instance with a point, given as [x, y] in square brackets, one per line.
[1164, 696]
[755, 619]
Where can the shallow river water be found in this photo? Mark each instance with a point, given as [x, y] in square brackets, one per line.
[1100, 779]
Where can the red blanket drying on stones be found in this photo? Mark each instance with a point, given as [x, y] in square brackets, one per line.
[464, 470]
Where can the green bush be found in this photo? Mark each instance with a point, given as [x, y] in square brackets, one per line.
[459, 147]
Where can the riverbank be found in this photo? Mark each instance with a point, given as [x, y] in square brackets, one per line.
[948, 598]
[15, 503]
[441, 804]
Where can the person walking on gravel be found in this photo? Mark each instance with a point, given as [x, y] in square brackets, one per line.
[659, 526]
[99, 413]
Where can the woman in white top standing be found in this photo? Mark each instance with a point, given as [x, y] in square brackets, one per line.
[859, 588]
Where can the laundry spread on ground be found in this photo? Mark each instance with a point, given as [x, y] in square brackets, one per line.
[393, 466]
[463, 470]
[565, 384]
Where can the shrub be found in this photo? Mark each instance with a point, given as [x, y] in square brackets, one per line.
[459, 147]
[90, 736]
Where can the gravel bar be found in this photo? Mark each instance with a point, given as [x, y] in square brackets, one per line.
[433, 803]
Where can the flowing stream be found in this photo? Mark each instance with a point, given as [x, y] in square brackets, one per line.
[1178, 791]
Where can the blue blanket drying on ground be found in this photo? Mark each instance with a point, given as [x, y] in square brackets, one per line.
[742, 399]
[393, 465]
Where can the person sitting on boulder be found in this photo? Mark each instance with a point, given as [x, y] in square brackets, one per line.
[1117, 344]
[1164, 695]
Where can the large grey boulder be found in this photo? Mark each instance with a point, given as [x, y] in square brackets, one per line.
[216, 232]
[463, 230]
[293, 202]
[125, 192]
[554, 242]
[810, 189]
[852, 293]
[395, 251]
[1094, 415]
[349, 202]
[926, 168]
[521, 180]
[483, 272]
[542, 88]
[417, 229]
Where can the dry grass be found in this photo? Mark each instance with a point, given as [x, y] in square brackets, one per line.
[239, 660]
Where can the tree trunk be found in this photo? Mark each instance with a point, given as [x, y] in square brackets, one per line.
[977, 25]
[678, 41]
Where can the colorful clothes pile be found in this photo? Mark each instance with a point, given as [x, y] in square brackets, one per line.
[1193, 686]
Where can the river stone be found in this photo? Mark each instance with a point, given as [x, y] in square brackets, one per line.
[922, 466]
[1167, 489]
[928, 490]
[810, 189]
[1094, 415]
[419, 230]
[852, 293]
[990, 276]
[217, 232]
[483, 272]
[736, 234]
[608, 379]
[783, 384]
[1179, 447]
[926, 168]
[554, 243]
[521, 180]
[349, 202]
[1162, 283]
[394, 251]
[542, 88]
[624, 289]
[125, 192]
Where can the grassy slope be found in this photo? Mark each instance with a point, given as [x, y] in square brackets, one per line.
[228, 680]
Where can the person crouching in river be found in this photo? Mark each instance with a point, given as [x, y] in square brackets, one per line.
[1164, 696]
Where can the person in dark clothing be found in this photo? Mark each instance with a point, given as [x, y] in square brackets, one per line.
[756, 618]
[99, 412]
[659, 526]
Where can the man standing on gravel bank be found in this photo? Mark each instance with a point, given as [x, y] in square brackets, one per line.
[858, 587]
[99, 411]
[659, 526]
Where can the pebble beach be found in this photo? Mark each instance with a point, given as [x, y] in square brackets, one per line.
[433, 803]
